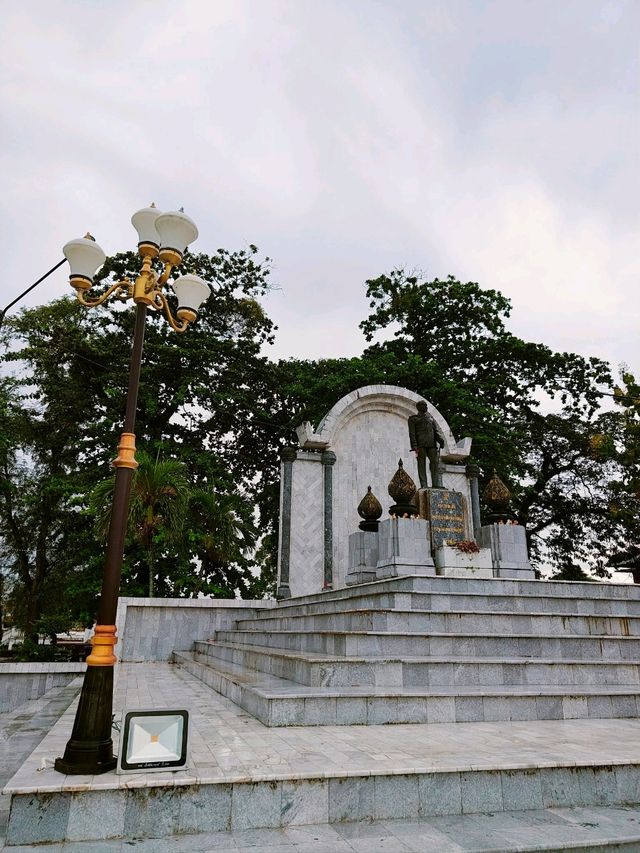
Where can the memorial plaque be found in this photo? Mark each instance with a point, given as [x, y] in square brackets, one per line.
[445, 510]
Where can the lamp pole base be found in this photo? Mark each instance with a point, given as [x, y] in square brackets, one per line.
[89, 751]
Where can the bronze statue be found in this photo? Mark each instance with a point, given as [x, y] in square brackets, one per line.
[426, 441]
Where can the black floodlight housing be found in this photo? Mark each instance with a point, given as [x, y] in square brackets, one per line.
[153, 740]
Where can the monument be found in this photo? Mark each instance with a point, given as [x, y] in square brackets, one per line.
[356, 447]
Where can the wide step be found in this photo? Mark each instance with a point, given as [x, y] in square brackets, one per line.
[245, 776]
[400, 644]
[460, 621]
[326, 670]
[281, 702]
[372, 596]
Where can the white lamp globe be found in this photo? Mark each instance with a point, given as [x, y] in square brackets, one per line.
[144, 221]
[176, 231]
[191, 291]
[85, 257]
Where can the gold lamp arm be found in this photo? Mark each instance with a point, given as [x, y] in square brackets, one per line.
[123, 286]
[177, 325]
[166, 272]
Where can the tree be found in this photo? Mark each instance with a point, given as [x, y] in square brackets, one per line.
[498, 381]
[62, 409]
[157, 508]
[624, 489]
[223, 537]
[196, 541]
[39, 510]
[449, 342]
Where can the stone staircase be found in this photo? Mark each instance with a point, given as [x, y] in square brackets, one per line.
[432, 650]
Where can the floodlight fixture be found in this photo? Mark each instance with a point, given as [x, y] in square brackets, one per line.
[153, 740]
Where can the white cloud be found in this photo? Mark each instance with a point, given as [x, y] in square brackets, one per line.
[495, 141]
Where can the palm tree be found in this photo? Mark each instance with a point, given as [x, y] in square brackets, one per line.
[157, 508]
[224, 535]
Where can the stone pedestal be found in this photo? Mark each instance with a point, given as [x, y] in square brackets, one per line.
[404, 548]
[363, 557]
[458, 564]
[508, 544]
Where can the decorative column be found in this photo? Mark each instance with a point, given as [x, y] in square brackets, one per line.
[473, 472]
[287, 455]
[328, 461]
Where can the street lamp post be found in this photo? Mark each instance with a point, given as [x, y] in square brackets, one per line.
[164, 236]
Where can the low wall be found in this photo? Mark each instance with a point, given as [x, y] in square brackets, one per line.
[150, 629]
[20, 682]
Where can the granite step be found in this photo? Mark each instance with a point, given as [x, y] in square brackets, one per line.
[315, 669]
[370, 597]
[281, 702]
[459, 621]
[485, 586]
[401, 644]
[594, 829]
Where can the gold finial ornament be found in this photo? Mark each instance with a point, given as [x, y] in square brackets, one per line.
[370, 510]
[496, 491]
[104, 639]
[402, 489]
[126, 457]
[497, 498]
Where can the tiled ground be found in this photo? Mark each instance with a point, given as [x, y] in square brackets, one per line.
[227, 744]
[22, 729]
[596, 829]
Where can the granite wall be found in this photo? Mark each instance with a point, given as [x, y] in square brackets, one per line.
[20, 682]
[150, 629]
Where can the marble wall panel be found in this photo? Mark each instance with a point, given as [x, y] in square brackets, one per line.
[306, 557]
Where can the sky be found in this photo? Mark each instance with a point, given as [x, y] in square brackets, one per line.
[494, 141]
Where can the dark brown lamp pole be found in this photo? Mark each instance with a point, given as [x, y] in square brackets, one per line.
[90, 748]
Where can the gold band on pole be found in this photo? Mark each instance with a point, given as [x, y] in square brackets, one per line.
[126, 457]
[103, 641]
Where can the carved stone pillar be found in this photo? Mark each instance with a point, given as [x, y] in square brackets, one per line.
[473, 472]
[287, 455]
[328, 461]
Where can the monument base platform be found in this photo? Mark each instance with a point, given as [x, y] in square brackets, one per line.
[496, 695]
[466, 572]
[453, 563]
[402, 569]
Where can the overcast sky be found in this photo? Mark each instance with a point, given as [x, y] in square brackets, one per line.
[496, 141]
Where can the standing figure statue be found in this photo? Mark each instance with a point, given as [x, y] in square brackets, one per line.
[426, 441]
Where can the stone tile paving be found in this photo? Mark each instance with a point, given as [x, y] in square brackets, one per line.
[549, 829]
[22, 729]
[227, 744]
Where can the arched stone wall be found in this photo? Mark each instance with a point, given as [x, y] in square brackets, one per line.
[367, 431]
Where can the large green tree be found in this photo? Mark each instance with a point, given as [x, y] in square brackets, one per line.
[532, 412]
[62, 412]
[211, 401]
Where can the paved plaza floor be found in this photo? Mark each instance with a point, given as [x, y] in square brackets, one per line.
[229, 745]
